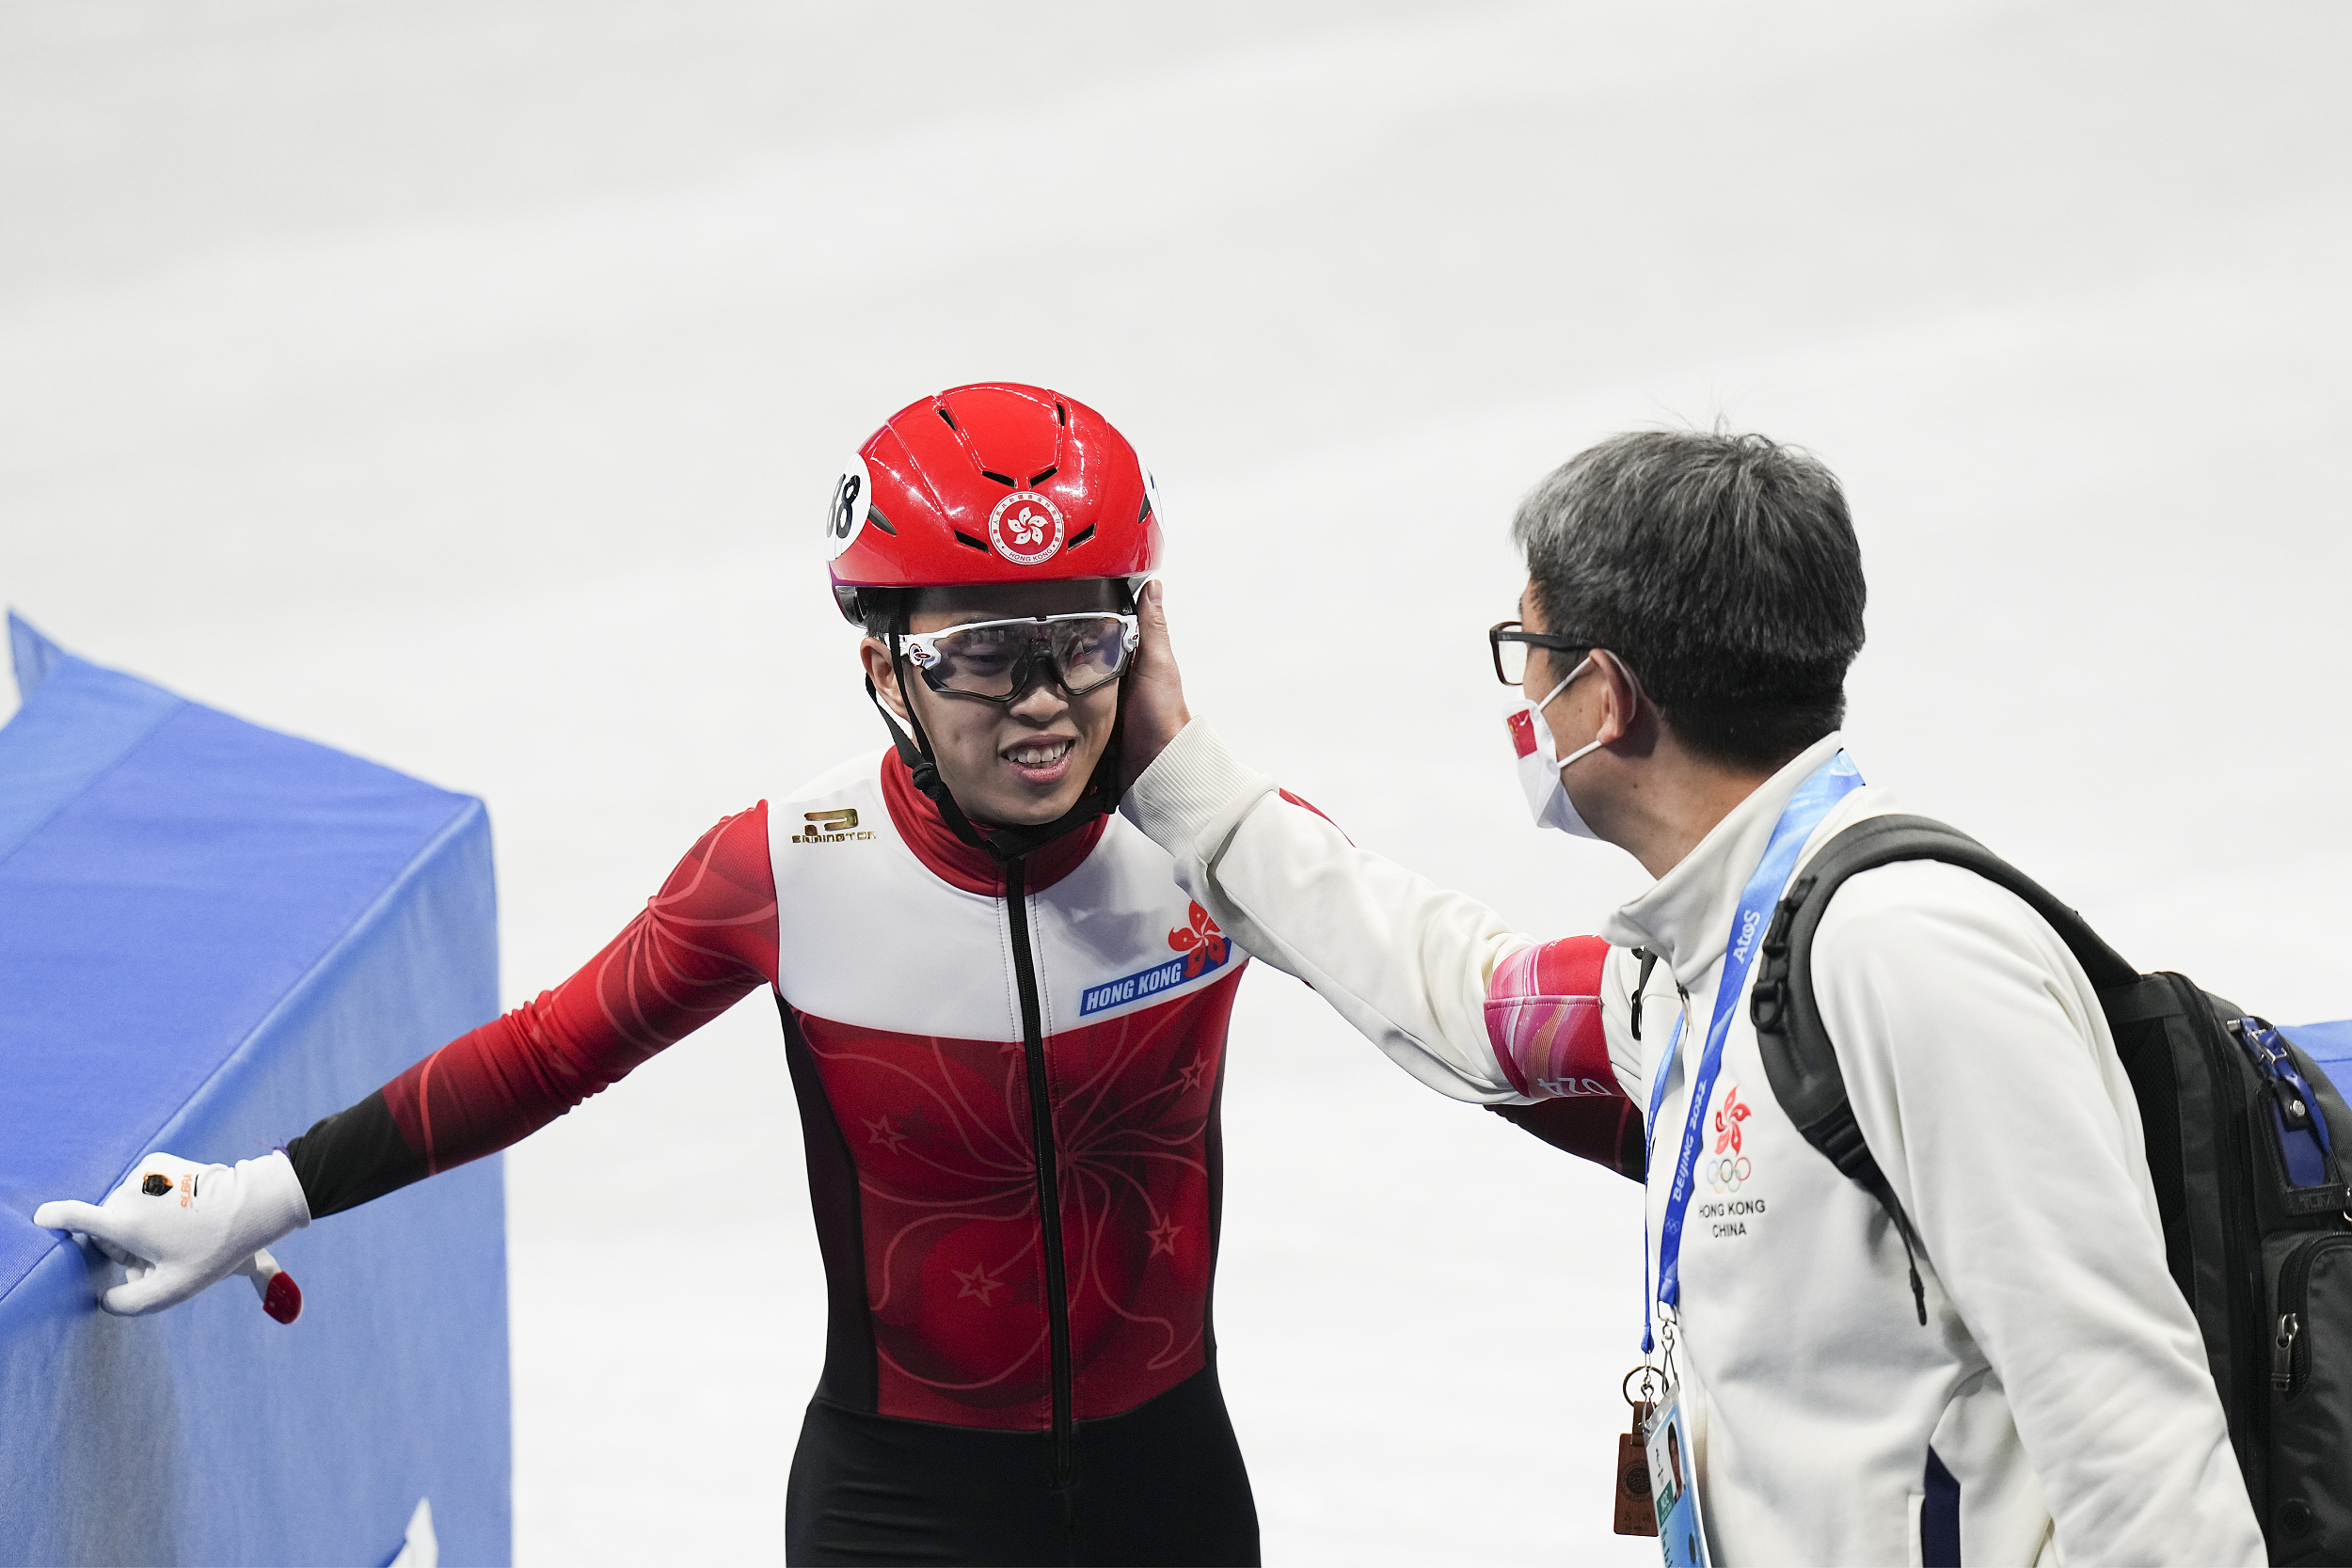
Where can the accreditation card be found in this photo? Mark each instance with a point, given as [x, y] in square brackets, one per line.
[1673, 1484]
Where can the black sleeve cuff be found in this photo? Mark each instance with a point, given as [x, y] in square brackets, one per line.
[353, 1156]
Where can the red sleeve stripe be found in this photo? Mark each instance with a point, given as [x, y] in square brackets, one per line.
[701, 944]
[424, 1109]
[1310, 805]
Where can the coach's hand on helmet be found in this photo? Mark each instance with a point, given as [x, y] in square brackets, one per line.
[177, 1227]
[1154, 710]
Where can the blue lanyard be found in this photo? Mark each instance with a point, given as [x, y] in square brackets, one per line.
[1822, 790]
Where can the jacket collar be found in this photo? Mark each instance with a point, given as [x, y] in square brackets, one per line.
[957, 864]
[1685, 918]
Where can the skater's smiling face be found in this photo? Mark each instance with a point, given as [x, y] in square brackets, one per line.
[1013, 763]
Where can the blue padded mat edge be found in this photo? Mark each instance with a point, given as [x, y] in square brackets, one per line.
[52, 750]
[211, 934]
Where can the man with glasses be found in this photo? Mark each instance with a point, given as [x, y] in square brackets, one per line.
[1006, 1026]
[2032, 1385]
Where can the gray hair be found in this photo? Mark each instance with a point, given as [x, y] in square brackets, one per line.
[1720, 568]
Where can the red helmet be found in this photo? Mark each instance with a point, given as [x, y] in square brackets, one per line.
[991, 482]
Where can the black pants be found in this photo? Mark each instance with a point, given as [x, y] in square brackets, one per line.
[1163, 1483]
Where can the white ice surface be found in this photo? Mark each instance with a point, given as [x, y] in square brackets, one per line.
[460, 383]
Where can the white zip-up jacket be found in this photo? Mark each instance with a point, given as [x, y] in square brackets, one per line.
[2055, 1407]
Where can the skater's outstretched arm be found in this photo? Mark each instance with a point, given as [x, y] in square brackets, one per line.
[701, 944]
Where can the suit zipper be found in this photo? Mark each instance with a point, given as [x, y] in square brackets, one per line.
[1048, 1177]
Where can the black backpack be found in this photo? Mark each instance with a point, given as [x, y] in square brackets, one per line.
[2241, 1127]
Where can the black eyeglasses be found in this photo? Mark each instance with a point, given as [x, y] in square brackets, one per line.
[1509, 644]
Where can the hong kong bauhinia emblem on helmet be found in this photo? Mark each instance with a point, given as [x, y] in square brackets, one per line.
[1026, 527]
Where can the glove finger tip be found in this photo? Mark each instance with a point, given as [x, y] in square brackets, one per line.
[133, 1300]
[282, 1299]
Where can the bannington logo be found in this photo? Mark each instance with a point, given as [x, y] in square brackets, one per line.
[831, 827]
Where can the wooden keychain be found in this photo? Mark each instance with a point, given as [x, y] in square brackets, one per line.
[1636, 1514]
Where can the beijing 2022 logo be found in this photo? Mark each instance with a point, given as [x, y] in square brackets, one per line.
[1026, 527]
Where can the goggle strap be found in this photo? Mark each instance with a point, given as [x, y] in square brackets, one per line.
[913, 750]
[923, 768]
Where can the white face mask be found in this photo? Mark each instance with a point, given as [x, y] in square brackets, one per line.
[1540, 771]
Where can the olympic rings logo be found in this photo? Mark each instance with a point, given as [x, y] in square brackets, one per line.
[1728, 1174]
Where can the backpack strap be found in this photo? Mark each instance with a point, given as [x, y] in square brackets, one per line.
[1798, 1057]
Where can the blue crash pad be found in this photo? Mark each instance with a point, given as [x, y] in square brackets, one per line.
[2330, 1046]
[210, 935]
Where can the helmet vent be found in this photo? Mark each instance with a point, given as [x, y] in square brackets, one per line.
[942, 503]
[1147, 509]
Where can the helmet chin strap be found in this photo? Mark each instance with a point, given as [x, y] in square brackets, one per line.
[1004, 844]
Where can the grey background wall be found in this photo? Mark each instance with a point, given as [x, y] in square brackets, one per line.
[459, 383]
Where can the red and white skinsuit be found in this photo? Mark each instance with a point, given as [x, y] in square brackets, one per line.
[1008, 1094]
[929, 1017]
[952, 1039]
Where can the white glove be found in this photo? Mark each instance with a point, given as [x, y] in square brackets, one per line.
[177, 1227]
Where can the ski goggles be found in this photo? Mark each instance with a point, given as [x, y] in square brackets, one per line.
[994, 661]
